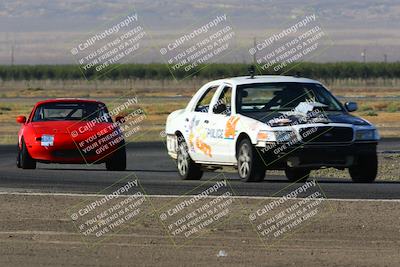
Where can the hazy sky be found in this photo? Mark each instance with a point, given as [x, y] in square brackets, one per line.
[44, 31]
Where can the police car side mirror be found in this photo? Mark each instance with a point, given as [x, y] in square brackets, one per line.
[351, 106]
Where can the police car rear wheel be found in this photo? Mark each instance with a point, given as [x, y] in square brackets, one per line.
[187, 168]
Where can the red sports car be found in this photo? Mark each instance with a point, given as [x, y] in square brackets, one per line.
[71, 131]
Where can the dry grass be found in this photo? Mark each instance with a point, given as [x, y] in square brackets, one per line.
[159, 97]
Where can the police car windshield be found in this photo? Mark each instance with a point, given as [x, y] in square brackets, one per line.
[270, 97]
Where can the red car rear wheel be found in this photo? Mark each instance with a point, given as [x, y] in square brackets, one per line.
[117, 161]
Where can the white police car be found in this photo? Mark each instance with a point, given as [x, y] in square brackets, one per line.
[270, 123]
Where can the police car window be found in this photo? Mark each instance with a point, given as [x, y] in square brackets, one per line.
[223, 105]
[204, 102]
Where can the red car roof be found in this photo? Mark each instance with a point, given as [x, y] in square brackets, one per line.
[58, 100]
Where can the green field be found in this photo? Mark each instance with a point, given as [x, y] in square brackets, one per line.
[326, 71]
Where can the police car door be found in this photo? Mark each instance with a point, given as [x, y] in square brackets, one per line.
[221, 130]
[198, 124]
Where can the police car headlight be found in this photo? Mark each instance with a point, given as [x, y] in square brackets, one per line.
[264, 136]
[275, 136]
[370, 134]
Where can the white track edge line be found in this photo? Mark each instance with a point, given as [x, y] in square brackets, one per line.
[178, 196]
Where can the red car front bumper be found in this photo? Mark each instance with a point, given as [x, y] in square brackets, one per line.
[66, 149]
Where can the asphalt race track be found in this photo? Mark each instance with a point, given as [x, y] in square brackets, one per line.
[157, 174]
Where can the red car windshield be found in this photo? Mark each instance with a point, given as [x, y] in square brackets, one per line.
[71, 111]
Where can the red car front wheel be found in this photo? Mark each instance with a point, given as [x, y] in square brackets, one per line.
[24, 160]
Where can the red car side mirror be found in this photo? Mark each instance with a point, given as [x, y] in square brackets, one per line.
[21, 119]
[120, 119]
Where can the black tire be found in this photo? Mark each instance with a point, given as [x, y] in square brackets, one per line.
[365, 170]
[26, 161]
[117, 162]
[250, 165]
[18, 161]
[187, 168]
[298, 175]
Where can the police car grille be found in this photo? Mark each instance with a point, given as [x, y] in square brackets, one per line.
[326, 134]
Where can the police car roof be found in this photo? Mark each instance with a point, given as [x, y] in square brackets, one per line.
[267, 79]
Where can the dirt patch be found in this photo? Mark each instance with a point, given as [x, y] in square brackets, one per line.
[36, 230]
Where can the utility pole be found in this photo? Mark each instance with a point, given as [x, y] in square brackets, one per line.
[12, 54]
[385, 58]
[13, 51]
[364, 55]
[255, 52]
